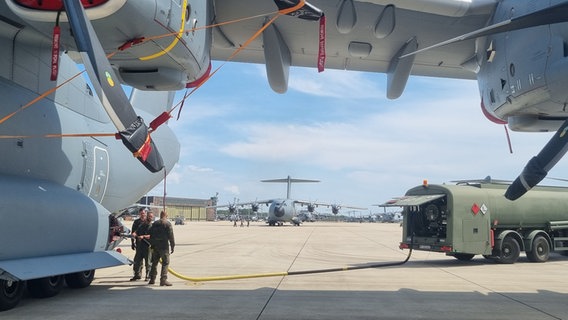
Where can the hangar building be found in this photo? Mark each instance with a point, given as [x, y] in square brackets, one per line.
[185, 208]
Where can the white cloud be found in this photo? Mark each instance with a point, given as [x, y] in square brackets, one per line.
[232, 189]
[332, 83]
[375, 140]
[335, 84]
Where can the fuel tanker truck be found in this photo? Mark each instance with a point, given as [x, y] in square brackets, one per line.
[474, 218]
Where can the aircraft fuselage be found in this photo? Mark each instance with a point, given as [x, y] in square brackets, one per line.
[282, 210]
[62, 171]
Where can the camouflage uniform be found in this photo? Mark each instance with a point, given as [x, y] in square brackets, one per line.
[142, 249]
[162, 240]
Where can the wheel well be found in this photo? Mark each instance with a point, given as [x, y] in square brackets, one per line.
[533, 234]
[510, 233]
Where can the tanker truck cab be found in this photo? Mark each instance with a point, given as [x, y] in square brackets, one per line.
[474, 218]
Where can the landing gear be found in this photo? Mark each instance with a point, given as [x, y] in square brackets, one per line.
[10, 293]
[79, 280]
[45, 287]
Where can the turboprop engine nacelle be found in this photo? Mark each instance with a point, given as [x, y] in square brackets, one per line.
[167, 49]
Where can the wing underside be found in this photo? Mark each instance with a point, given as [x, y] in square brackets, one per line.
[364, 36]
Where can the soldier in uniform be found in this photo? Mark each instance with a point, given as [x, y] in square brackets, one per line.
[162, 240]
[136, 224]
[135, 243]
[142, 247]
[147, 241]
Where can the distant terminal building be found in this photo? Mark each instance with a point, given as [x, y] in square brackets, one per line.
[185, 208]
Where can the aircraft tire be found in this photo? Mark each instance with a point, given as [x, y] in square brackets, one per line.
[510, 251]
[540, 250]
[10, 293]
[45, 287]
[79, 280]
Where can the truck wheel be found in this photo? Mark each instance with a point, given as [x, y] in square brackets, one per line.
[464, 256]
[510, 251]
[540, 250]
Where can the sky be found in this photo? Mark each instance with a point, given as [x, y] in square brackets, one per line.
[337, 127]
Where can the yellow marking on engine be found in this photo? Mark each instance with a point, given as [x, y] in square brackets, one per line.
[175, 40]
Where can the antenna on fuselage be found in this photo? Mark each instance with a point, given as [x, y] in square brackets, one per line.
[289, 182]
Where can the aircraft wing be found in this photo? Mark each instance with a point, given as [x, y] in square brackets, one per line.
[242, 204]
[351, 207]
[327, 205]
[363, 35]
[314, 203]
[269, 201]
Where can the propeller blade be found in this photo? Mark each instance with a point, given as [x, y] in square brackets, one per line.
[551, 15]
[307, 12]
[537, 168]
[133, 132]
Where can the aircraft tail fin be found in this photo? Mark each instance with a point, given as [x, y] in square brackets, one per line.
[289, 181]
[153, 102]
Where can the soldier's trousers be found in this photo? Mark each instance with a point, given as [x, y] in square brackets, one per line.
[158, 254]
[141, 256]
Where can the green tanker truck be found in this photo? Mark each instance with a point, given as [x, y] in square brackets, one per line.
[474, 218]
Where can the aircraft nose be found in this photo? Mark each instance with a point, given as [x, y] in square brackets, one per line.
[279, 211]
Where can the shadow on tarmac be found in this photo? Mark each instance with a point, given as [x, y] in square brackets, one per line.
[151, 302]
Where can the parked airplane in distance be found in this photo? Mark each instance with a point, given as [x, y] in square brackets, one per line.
[283, 210]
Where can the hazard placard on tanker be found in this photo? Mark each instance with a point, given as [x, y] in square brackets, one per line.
[474, 218]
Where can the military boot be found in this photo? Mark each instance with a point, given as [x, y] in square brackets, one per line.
[164, 282]
[152, 280]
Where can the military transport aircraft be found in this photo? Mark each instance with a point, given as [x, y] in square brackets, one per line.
[62, 172]
[279, 210]
[284, 210]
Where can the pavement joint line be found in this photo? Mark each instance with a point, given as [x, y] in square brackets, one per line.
[501, 294]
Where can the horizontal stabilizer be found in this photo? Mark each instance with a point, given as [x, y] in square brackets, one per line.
[290, 180]
[40, 267]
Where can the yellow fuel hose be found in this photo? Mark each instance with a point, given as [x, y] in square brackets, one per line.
[291, 273]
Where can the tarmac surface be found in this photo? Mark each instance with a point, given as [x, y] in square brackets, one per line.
[428, 286]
